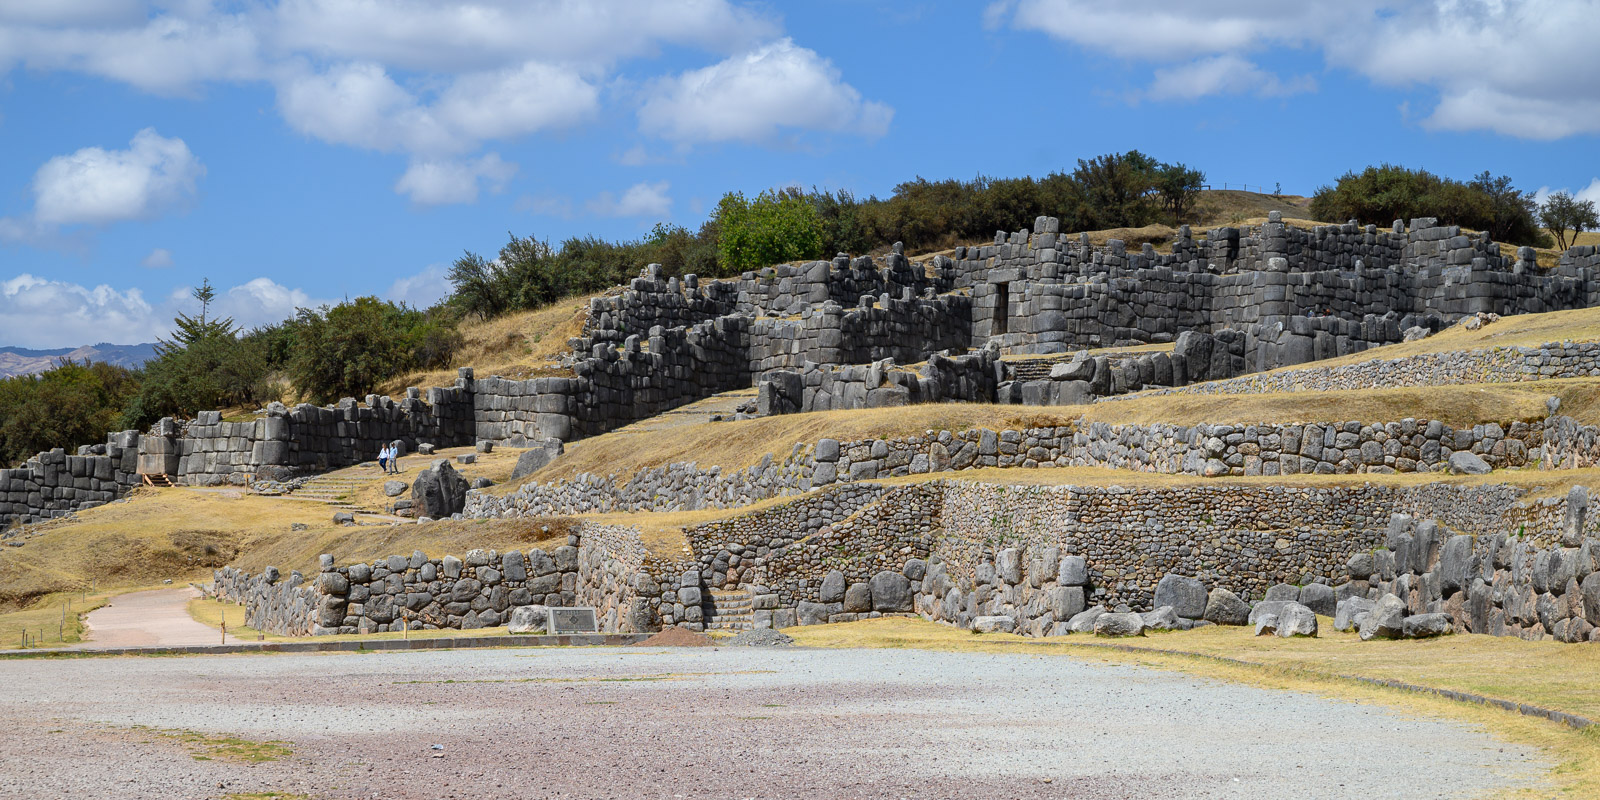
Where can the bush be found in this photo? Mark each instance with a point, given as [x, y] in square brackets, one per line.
[349, 349]
[774, 228]
[1382, 194]
[205, 365]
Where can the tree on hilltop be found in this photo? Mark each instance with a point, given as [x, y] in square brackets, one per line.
[1562, 212]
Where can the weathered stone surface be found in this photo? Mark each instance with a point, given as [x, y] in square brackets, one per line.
[394, 488]
[1426, 626]
[833, 586]
[1319, 598]
[439, 491]
[1118, 625]
[536, 457]
[1186, 596]
[1464, 462]
[1074, 571]
[1083, 621]
[858, 598]
[891, 591]
[1225, 608]
[1283, 591]
[1345, 614]
[995, 623]
[1386, 620]
[528, 619]
[1163, 618]
[1295, 619]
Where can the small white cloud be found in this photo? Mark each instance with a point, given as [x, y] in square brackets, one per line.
[1590, 192]
[96, 186]
[1226, 74]
[422, 289]
[262, 301]
[753, 96]
[446, 182]
[159, 258]
[640, 200]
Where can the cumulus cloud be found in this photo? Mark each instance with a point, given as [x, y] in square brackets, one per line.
[422, 289]
[1515, 67]
[438, 81]
[97, 186]
[447, 181]
[753, 95]
[1226, 74]
[639, 200]
[44, 313]
[159, 258]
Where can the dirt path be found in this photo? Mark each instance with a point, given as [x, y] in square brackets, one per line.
[146, 618]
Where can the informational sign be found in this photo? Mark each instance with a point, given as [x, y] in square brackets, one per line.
[572, 620]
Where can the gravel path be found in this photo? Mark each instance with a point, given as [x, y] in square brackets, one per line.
[717, 723]
[155, 617]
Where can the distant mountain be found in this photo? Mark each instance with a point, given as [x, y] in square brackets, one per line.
[22, 361]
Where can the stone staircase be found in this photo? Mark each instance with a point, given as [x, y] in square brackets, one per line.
[729, 610]
[332, 491]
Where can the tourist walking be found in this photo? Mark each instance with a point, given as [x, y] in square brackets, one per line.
[394, 458]
[383, 458]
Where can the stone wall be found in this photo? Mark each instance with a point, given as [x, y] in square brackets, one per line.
[1543, 585]
[477, 591]
[53, 483]
[1409, 445]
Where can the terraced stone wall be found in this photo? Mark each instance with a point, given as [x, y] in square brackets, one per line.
[53, 483]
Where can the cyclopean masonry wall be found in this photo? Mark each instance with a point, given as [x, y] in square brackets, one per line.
[54, 484]
[477, 591]
[1409, 445]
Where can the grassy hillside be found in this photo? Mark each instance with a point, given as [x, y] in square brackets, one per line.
[520, 345]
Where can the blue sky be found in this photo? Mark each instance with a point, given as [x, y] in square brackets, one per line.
[302, 151]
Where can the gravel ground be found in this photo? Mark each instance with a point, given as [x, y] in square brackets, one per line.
[716, 723]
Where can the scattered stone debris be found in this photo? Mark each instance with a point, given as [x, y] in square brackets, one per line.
[678, 637]
[762, 637]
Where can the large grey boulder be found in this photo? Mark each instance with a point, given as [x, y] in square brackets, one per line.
[1008, 565]
[1266, 625]
[528, 619]
[993, 624]
[1344, 616]
[439, 491]
[891, 591]
[809, 613]
[394, 488]
[1083, 621]
[1319, 597]
[1463, 462]
[1264, 608]
[536, 457]
[1386, 620]
[1283, 591]
[1225, 608]
[1590, 593]
[1577, 511]
[1186, 596]
[858, 598]
[1455, 562]
[1295, 619]
[1065, 602]
[833, 586]
[1427, 626]
[1074, 571]
[1129, 624]
[1164, 618]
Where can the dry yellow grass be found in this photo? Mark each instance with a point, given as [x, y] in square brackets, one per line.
[183, 534]
[1542, 673]
[1461, 405]
[734, 445]
[495, 466]
[45, 623]
[1522, 330]
[519, 345]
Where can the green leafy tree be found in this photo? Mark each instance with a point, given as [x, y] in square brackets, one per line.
[205, 365]
[349, 349]
[774, 228]
[1562, 212]
[1116, 189]
[69, 405]
[1381, 194]
[1178, 188]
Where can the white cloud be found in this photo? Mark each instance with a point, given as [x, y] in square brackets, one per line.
[1590, 192]
[260, 302]
[752, 96]
[1226, 74]
[430, 80]
[44, 313]
[422, 289]
[1516, 67]
[159, 258]
[96, 186]
[640, 200]
[446, 181]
